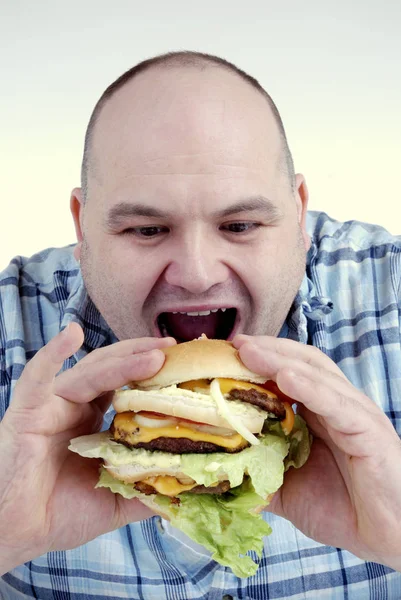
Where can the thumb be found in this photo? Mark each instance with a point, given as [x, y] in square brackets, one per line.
[35, 383]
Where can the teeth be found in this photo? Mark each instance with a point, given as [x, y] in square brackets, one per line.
[201, 313]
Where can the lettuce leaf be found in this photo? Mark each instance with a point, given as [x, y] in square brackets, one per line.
[300, 442]
[263, 463]
[221, 523]
[226, 524]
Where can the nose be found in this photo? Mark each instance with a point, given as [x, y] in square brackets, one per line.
[197, 264]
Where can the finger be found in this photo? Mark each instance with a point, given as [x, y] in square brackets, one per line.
[32, 389]
[335, 399]
[85, 382]
[128, 347]
[356, 425]
[288, 349]
[269, 363]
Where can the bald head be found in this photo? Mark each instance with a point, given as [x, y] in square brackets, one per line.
[144, 88]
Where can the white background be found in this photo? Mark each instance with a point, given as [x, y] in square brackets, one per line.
[333, 68]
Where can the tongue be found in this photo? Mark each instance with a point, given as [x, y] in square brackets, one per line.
[185, 328]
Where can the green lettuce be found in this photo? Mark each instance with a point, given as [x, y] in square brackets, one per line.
[300, 441]
[223, 524]
[226, 524]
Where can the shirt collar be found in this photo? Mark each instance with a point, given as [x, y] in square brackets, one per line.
[82, 310]
[308, 307]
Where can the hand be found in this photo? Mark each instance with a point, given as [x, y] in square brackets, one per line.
[47, 496]
[348, 494]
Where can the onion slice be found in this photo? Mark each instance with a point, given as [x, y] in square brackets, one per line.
[224, 411]
[145, 420]
[212, 429]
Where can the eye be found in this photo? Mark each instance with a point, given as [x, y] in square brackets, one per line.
[148, 231]
[240, 227]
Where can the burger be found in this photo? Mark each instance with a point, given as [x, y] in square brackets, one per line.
[205, 444]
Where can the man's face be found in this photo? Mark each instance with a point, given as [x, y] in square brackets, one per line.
[190, 224]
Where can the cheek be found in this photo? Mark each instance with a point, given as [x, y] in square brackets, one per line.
[132, 267]
[255, 263]
[271, 266]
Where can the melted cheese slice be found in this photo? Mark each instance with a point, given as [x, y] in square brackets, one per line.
[128, 430]
[168, 485]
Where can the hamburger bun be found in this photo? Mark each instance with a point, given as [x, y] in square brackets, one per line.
[199, 359]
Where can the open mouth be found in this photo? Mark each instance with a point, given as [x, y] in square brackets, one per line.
[185, 326]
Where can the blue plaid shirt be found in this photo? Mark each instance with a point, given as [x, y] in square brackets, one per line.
[348, 306]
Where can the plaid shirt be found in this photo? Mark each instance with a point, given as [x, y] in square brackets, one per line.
[348, 306]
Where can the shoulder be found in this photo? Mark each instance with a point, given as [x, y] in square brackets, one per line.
[33, 294]
[354, 257]
[34, 289]
[31, 287]
[39, 269]
[329, 234]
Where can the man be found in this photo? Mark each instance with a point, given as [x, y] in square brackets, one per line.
[189, 204]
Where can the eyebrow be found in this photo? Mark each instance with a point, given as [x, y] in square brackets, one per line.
[125, 210]
[259, 204]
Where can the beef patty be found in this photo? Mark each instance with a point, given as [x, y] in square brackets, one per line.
[269, 404]
[182, 446]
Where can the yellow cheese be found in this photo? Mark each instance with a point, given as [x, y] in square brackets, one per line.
[127, 429]
[168, 485]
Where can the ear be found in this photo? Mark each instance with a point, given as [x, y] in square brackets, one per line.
[301, 199]
[77, 211]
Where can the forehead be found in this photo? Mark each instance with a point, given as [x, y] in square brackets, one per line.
[172, 128]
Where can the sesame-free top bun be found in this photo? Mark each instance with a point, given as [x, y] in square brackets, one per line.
[199, 359]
